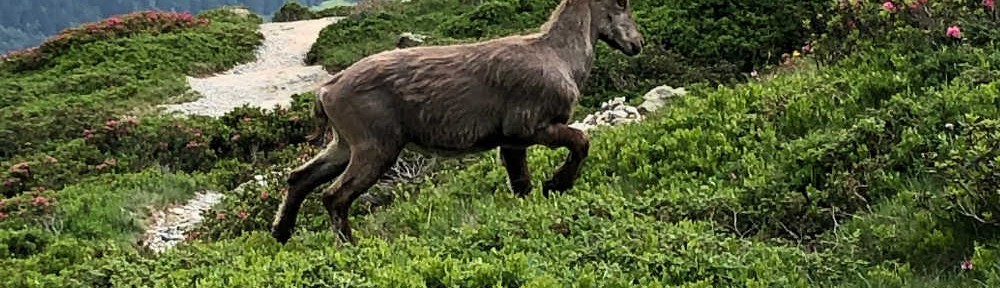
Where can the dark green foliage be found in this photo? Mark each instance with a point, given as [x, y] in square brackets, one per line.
[292, 11]
[334, 11]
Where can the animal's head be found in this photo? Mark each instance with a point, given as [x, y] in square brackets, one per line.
[615, 26]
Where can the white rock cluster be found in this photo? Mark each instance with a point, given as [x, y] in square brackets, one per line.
[612, 112]
[615, 111]
[659, 96]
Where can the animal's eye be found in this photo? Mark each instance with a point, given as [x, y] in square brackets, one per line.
[623, 3]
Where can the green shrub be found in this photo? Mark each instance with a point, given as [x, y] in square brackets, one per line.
[335, 11]
[913, 24]
[196, 143]
[292, 11]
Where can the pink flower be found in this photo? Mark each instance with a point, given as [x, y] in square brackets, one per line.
[111, 124]
[264, 195]
[131, 120]
[190, 236]
[20, 167]
[954, 32]
[889, 6]
[220, 215]
[87, 134]
[40, 201]
[114, 21]
[186, 17]
[754, 73]
[192, 144]
[990, 4]
[3, 216]
[243, 214]
[966, 264]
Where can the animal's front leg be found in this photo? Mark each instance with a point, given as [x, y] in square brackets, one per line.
[515, 160]
[560, 135]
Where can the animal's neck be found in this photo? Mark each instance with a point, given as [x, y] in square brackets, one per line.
[570, 33]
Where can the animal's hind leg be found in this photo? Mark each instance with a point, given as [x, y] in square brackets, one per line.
[366, 166]
[322, 168]
[560, 135]
[515, 161]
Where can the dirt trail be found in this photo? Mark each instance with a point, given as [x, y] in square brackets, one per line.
[278, 72]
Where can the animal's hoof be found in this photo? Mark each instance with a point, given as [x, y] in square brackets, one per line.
[521, 188]
[555, 185]
[345, 239]
[281, 235]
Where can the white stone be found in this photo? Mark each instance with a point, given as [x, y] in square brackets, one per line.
[618, 114]
[656, 98]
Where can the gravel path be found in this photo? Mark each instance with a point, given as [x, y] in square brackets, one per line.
[168, 226]
[277, 74]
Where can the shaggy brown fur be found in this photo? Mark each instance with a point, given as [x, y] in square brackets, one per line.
[512, 93]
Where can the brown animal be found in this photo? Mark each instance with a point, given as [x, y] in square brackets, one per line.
[511, 92]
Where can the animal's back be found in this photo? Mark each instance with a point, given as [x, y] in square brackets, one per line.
[448, 98]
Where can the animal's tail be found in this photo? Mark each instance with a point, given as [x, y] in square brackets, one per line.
[321, 121]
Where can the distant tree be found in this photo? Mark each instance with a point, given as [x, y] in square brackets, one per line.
[292, 11]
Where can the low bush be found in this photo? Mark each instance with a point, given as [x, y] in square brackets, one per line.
[914, 24]
[292, 11]
[131, 144]
[152, 22]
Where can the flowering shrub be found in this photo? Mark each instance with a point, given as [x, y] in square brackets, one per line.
[916, 24]
[129, 144]
[153, 22]
[971, 167]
